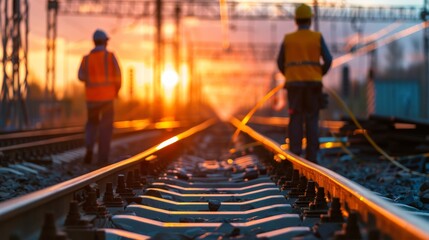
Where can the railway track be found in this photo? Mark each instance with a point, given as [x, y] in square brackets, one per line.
[32, 160]
[35, 145]
[199, 185]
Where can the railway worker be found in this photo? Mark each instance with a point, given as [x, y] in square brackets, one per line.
[300, 62]
[100, 72]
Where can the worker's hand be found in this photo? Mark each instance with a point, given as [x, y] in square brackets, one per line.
[279, 100]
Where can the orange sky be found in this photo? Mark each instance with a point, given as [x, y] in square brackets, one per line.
[132, 42]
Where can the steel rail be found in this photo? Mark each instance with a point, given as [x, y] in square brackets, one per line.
[40, 143]
[44, 138]
[118, 125]
[40, 133]
[389, 219]
[23, 217]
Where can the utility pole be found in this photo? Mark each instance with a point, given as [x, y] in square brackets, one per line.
[372, 73]
[158, 103]
[316, 15]
[192, 96]
[177, 16]
[51, 36]
[131, 80]
[14, 88]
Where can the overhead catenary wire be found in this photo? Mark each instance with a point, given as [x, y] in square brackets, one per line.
[377, 44]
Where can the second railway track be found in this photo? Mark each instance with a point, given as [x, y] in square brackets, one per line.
[32, 160]
[196, 185]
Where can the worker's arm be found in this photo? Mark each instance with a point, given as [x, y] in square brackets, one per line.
[83, 72]
[326, 56]
[281, 59]
[118, 76]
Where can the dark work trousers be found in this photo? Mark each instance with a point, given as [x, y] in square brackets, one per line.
[99, 126]
[304, 105]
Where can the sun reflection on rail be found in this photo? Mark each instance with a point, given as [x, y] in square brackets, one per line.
[167, 142]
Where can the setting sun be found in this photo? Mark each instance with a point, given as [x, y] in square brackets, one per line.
[169, 78]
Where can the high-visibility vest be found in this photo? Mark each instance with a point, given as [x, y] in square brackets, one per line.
[302, 56]
[101, 76]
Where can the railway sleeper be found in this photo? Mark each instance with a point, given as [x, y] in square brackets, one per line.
[272, 211]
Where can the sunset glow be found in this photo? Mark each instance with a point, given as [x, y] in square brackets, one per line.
[169, 78]
[218, 61]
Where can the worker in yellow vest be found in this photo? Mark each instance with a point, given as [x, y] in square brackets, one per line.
[100, 72]
[303, 59]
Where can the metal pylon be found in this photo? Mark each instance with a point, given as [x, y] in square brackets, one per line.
[51, 36]
[14, 30]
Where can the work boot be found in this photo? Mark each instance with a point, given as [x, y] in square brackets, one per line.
[88, 157]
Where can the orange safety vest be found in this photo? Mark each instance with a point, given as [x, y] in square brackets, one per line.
[102, 82]
[302, 56]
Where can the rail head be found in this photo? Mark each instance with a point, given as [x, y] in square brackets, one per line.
[373, 209]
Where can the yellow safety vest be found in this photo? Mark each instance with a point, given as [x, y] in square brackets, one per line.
[302, 56]
[102, 77]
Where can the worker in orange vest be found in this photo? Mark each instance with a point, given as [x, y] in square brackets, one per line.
[300, 62]
[100, 72]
